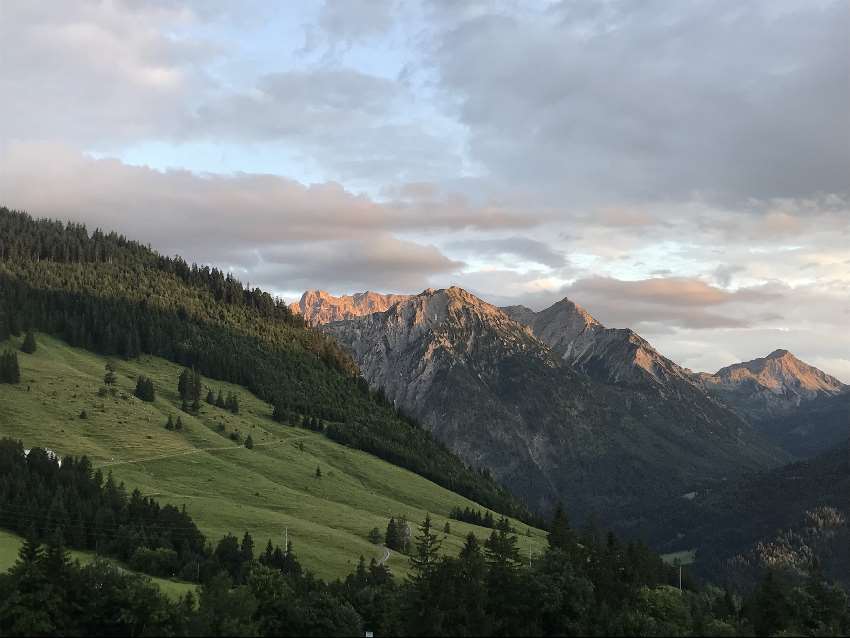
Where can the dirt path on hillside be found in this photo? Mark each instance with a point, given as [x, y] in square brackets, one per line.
[196, 451]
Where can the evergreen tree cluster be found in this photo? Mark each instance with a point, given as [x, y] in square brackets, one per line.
[476, 517]
[171, 424]
[40, 496]
[313, 424]
[145, 389]
[113, 296]
[189, 387]
[231, 403]
[397, 536]
[10, 371]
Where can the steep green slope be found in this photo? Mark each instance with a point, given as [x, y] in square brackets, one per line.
[226, 487]
[113, 296]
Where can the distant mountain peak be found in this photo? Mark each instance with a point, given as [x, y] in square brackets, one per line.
[319, 306]
[608, 354]
[771, 385]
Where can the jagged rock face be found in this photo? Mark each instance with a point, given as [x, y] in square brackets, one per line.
[619, 356]
[504, 400]
[771, 386]
[319, 307]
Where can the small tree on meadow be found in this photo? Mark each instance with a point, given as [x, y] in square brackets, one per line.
[29, 346]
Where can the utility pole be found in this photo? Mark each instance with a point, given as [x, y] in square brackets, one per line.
[285, 541]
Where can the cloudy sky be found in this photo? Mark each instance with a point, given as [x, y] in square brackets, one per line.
[682, 168]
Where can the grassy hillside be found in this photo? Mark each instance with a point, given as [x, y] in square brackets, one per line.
[11, 543]
[110, 295]
[226, 487]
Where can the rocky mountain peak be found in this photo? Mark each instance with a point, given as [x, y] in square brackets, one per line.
[779, 354]
[319, 307]
[771, 386]
[781, 373]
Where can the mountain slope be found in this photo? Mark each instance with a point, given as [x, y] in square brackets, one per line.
[318, 307]
[785, 517]
[505, 401]
[113, 296]
[225, 487]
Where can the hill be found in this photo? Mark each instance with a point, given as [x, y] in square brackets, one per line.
[107, 294]
[225, 487]
[502, 399]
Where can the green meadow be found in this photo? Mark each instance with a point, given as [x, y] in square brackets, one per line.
[270, 490]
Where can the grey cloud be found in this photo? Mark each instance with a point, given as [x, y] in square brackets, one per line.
[523, 248]
[656, 100]
[375, 263]
[353, 21]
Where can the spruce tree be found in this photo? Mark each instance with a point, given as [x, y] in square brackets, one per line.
[197, 386]
[249, 442]
[210, 397]
[179, 424]
[219, 402]
[183, 384]
[29, 345]
[169, 425]
[426, 552]
[318, 472]
[391, 537]
[560, 534]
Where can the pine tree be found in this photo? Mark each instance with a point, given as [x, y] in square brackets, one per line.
[196, 388]
[318, 472]
[219, 402]
[29, 345]
[249, 442]
[210, 397]
[560, 534]
[145, 389]
[169, 425]
[426, 551]
[179, 424]
[391, 537]
[10, 371]
[247, 548]
[183, 384]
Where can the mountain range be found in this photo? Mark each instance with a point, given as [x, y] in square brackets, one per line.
[556, 406]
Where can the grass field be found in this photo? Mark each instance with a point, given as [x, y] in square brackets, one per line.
[225, 487]
[10, 544]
